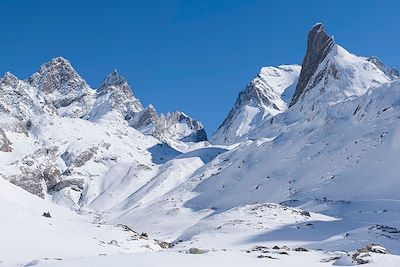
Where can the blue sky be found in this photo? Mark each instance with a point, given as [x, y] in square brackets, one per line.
[191, 55]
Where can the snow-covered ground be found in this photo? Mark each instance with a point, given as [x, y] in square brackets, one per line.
[26, 234]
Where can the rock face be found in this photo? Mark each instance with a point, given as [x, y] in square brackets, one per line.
[144, 120]
[319, 45]
[5, 144]
[119, 93]
[391, 72]
[266, 95]
[62, 86]
[21, 100]
[178, 126]
[331, 74]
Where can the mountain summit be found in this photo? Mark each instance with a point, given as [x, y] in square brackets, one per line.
[319, 44]
[265, 96]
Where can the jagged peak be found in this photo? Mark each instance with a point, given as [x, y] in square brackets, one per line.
[57, 64]
[391, 72]
[319, 44]
[114, 78]
[60, 83]
[114, 82]
[54, 73]
[9, 78]
[270, 83]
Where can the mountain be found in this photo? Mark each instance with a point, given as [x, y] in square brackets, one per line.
[316, 173]
[57, 133]
[61, 86]
[116, 94]
[319, 44]
[265, 96]
[332, 74]
[303, 171]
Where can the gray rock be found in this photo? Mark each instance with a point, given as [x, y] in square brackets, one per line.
[144, 120]
[5, 144]
[319, 45]
[391, 72]
[60, 82]
[197, 251]
[194, 127]
[73, 183]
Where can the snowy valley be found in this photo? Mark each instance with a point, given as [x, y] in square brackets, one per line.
[302, 172]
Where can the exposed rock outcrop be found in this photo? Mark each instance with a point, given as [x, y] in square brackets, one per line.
[265, 96]
[59, 81]
[319, 44]
[5, 144]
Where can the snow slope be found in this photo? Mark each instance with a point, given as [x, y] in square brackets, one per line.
[26, 235]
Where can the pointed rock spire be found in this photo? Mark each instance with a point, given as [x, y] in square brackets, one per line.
[114, 78]
[115, 82]
[319, 44]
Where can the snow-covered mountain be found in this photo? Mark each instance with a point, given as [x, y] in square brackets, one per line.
[303, 169]
[59, 133]
[329, 158]
[265, 96]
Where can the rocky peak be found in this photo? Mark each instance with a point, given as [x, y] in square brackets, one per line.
[391, 72]
[114, 78]
[180, 117]
[179, 126]
[270, 84]
[9, 79]
[60, 82]
[266, 95]
[319, 45]
[144, 120]
[114, 82]
[116, 91]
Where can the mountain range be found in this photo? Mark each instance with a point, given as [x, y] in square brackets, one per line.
[305, 161]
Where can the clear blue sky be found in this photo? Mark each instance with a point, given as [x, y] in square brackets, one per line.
[192, 55]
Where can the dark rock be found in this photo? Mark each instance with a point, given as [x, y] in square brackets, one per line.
[300, 249]
[266, 256]
[319, 45]
[75, 183]
[144, 236]
[197, 251]
[305, 213]
[46, 214]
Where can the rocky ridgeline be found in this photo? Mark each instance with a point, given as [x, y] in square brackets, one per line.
[57, 95]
